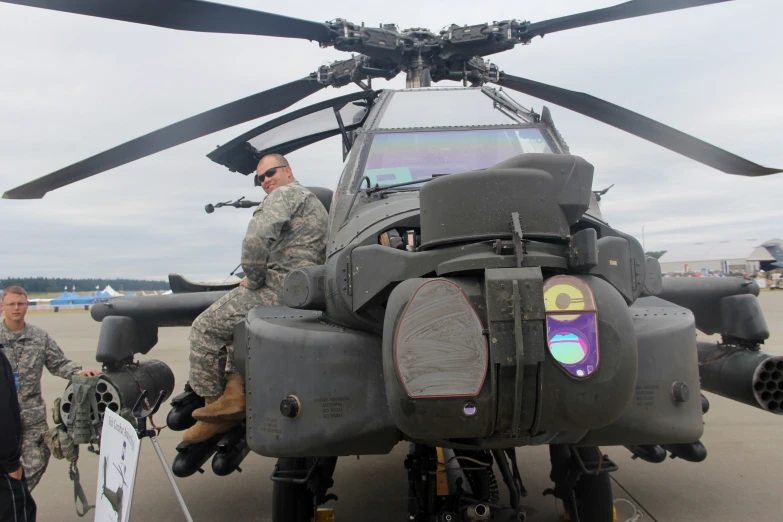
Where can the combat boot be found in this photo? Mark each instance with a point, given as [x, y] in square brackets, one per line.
[229, 406]
[202, 431]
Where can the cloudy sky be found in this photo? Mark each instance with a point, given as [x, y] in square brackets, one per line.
[72, 86]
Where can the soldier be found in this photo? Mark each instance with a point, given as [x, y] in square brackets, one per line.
[287, 231]
[29, 348]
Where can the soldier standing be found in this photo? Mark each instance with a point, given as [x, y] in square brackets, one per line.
[29, 348]
[287, 231]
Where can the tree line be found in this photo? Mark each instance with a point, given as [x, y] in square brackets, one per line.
[57, 284]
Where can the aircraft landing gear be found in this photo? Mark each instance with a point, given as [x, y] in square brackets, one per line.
[300, 486]
[446, 485]
[581, 477]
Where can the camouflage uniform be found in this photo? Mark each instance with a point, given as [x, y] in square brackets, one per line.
[28, 352]
[287, 231]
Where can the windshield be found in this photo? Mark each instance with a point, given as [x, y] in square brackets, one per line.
[411, 156]
[450, 107]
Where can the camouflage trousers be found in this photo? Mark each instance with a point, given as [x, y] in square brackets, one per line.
[212, 337]
[35, 453]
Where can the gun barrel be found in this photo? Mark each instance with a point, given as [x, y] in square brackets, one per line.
[747, 376]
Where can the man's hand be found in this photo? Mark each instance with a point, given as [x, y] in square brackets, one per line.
[90, 373]
[243, 283]
[16, 474]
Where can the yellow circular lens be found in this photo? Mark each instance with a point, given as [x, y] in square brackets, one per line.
[564, 298]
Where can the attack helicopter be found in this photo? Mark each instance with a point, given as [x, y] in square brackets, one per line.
[473, 301]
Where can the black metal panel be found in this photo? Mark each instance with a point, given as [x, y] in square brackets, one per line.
[583, 251]
[179, 284]
[653, 281]
[615, 265]
[160, 310]
[305, 288]
[377, 268]
[335, 374]
[241, 333]
[666, 343]
[703, 295]
[485, 199]
[152, 376]
[742, 318]
[638, 264]
[121, 338]
[517, 380]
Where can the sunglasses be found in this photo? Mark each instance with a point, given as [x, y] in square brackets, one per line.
[268, 174]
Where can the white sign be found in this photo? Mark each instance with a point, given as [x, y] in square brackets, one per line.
[117, 469]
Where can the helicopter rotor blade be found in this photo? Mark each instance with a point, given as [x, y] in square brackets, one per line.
[190, 15]
[223, 117]
[631, 9]
[638, 125]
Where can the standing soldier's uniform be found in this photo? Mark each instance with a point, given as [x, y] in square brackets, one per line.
[287, 231]
[28, 352]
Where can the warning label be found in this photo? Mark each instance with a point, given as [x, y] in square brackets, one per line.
[271, 426]
[332, 407]
[645, 395]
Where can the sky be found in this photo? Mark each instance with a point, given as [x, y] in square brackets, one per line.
[72, 86]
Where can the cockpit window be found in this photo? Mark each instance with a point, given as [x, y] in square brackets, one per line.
[444, 108]
[410, 156]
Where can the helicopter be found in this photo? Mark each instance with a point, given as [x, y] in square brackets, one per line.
[473, 300]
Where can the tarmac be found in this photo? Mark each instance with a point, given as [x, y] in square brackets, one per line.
[739, 481]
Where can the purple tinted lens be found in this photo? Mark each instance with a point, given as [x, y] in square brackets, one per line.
[574, 342]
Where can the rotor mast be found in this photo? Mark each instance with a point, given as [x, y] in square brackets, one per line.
[418, 75]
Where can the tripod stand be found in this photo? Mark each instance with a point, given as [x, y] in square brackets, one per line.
[141, 414]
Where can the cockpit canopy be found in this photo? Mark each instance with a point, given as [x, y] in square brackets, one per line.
[424, 132]
[414, 133]
[294, 131]
[443, 107]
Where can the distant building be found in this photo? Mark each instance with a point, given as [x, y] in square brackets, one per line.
[747, 256]
[775, 248]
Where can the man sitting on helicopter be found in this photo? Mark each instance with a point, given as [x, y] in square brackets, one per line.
[287, 231]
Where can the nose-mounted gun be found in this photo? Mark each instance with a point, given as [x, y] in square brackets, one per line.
[240, 203]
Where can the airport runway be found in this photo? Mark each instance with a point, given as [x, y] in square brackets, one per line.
[739, 481]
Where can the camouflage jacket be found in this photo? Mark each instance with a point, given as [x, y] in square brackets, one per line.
[28, 354]
[287, 231]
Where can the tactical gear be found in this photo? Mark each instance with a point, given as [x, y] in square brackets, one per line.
[84, 408]
[61, 444]
[229, 406]
[56, 415]
[63, 441]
